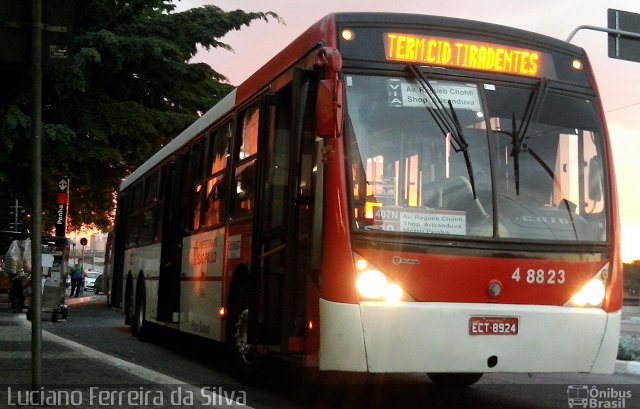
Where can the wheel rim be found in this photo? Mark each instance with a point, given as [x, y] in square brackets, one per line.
[244, 348]
[139, 315]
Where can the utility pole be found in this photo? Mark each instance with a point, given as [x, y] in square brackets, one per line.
[36, 179]
[14, 49]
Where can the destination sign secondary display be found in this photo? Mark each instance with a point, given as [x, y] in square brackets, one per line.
[457, 53]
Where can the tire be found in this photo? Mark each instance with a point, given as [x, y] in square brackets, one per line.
[455, 379]
[139, 326]
[128, 302]
[248, 364]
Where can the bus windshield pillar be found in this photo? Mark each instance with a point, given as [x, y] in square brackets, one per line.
[329, 102]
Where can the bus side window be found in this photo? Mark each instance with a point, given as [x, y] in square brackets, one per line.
[243, 188]
[135, 201]
[195, 188]
[149, 209]
[216, 186]
[249, 133]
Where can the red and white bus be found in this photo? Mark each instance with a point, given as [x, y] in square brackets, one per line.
[390, 193]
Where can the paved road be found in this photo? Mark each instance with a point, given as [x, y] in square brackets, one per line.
[203, 364]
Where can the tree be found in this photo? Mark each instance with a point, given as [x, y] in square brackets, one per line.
[128, 90]
[632, 279]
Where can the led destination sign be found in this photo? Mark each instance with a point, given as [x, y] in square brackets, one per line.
[452, 52]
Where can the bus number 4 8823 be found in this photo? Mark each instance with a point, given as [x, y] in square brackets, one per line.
[539, 276]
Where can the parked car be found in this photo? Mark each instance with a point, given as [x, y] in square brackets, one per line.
[98, 285]
[89, 282]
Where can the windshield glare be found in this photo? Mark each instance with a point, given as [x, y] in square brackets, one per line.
[533, 172]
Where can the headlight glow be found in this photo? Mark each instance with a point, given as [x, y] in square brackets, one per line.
[362, 264]
[348, 34]
[393, 293]
[371, 284]
[577, 65]
[592, 293]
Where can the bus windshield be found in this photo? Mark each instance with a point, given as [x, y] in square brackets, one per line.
[480, 159]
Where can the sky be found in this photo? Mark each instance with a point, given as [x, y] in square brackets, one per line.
[617, 80]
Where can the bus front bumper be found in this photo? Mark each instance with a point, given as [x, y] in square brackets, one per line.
[435, 337]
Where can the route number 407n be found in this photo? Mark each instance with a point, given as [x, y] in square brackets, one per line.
[539, 276]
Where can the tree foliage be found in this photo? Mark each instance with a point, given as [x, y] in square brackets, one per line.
[127, 91]
[632, 279]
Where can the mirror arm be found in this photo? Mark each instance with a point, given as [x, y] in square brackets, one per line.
[330, 93]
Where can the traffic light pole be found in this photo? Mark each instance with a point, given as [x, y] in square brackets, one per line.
[621, 33]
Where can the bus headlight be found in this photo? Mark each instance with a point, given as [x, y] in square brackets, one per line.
[372, 284]
[592, 294]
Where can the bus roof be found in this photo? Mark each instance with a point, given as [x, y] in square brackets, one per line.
[311, 38]
[220, 109]
[323, 33]
[452, 24]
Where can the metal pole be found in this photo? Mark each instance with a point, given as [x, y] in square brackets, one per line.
[36, 235]
[15, 217]
[621, 33]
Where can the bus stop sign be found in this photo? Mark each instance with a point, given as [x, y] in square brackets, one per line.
[620, 46]
[62, 204]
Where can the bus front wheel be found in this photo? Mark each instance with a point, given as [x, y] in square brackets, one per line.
[455, 379]
[247, 362]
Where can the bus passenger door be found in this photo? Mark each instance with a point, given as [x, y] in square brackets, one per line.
[269, 250]
[171, 251]
[281, 241]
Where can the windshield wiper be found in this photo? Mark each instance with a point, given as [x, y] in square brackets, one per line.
[521, 137]
[447, 121]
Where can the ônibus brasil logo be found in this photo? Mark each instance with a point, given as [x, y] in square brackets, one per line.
[596, 397]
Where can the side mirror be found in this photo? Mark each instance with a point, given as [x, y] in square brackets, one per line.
[329, 113]
[596, 173]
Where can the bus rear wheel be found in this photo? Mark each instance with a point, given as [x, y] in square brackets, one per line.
[139, 326]
[455, 379]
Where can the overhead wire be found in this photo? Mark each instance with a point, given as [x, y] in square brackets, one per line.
[623, 107]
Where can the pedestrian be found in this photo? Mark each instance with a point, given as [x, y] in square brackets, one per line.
[84, 282]
[17, 293]
[76, 280]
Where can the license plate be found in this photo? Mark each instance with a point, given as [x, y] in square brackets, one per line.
[493, 326]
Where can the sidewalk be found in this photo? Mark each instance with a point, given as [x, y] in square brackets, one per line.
[74, 375]
[64, 362]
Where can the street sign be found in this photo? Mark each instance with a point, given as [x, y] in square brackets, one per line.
[62, 202]
[15, 31]
[620, 46]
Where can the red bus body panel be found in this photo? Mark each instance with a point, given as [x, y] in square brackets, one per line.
[466, 279]
[614, 297]
[321, 33]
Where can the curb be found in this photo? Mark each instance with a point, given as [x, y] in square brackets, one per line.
[81, 300]
[628, 367]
